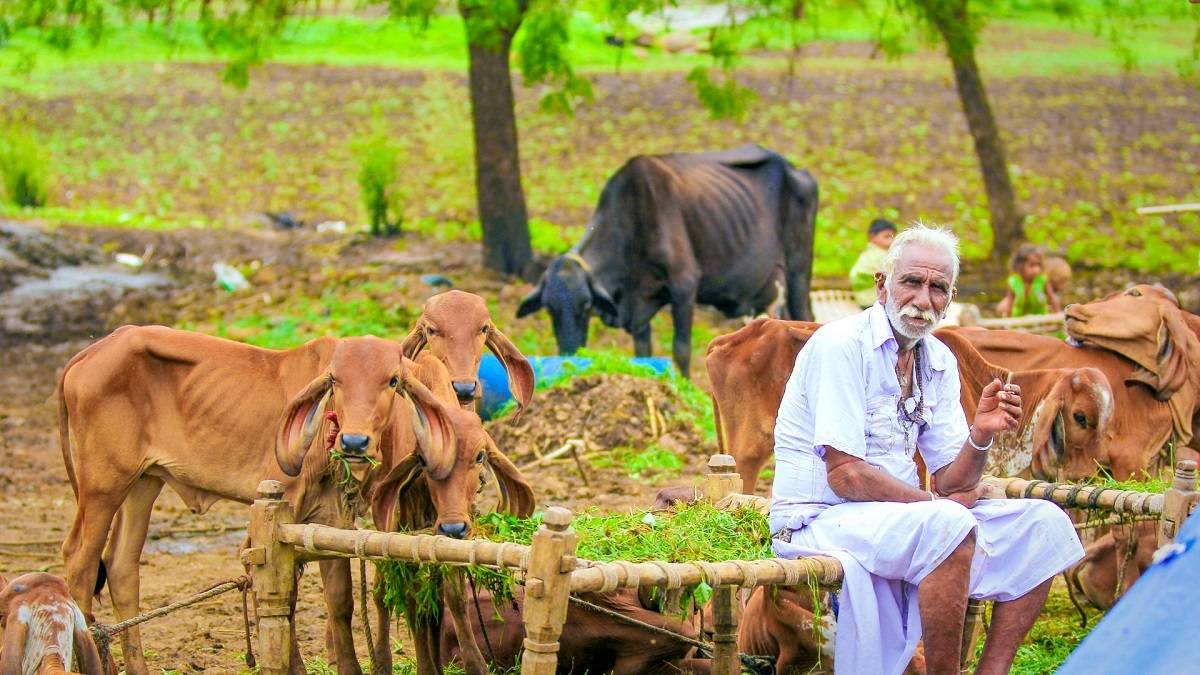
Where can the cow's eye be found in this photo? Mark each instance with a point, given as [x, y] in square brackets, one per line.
[1134, 292]
[480, 457]
[394, 382]
[1080, 418]
[432, 332]
[484, 330]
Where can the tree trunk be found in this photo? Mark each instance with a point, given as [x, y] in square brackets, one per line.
[498, 193]
[1007, 223]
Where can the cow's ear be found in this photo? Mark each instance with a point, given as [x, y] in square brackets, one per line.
[299, 425]
[430, 423]
[601, 300]
[516, 495]
[533, 301]
[520, 373]
[415, 341]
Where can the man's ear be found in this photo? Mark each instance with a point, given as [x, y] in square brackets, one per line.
[881, 286]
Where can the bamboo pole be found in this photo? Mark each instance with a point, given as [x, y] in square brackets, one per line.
[272, 565]
[320, 541]
[721, 482]
[1178, 501]
[1077, 496]
[547, 588]
[825, 570]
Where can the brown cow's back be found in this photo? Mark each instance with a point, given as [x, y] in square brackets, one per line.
[1140, 426]
[195, 397]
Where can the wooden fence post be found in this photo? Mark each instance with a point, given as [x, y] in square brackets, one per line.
[722, 480]
[273, 568]
[1178, 501]
[547, 589]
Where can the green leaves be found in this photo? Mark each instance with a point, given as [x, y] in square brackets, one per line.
[726, 99]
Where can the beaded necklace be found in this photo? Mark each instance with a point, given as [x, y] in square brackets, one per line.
[911, 413]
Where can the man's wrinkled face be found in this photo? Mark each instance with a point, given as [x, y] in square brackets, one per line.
[918, 291]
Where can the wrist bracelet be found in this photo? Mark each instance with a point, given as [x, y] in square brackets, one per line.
[981, 448]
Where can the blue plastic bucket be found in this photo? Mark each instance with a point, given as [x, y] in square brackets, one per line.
[494, 379]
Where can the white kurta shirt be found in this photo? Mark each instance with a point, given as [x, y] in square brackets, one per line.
[843, 393]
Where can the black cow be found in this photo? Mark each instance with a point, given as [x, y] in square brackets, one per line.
[728, 229]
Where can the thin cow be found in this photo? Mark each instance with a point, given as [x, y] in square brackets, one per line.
[151, 406]
[729, 229]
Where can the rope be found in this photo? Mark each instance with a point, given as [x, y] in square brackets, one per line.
[479, 613]
[103, 634]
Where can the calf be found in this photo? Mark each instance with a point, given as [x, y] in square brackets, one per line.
[1112, 563]
[44, 631]
[591, 642]
[1063, 435]
[151, 406]
[410, 499]
[781, 623]
[456, 326]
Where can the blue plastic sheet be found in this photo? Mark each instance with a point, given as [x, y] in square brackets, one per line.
[1152, 627]
[545, 369]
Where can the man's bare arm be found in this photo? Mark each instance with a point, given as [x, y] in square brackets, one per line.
[999, 410]
[854, 480]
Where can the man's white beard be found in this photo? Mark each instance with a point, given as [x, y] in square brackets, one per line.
[894, 314]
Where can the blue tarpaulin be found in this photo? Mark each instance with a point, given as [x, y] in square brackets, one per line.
[1153, 627]
[545, 369]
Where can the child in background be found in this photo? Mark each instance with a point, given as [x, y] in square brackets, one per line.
[862, 276]
[1029, 291]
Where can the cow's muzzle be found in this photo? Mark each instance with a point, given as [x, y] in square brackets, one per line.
[465, 390]
[456, 530]
[354, 446]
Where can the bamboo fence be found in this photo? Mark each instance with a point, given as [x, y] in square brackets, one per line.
[552, 571]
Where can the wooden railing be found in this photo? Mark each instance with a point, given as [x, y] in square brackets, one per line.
[551, 571]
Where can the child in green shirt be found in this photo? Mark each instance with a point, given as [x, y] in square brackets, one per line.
[862, 276]
[1028, 290]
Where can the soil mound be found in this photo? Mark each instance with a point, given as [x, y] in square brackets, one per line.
[605, 411]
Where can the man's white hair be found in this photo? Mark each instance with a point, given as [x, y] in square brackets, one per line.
[926, 235]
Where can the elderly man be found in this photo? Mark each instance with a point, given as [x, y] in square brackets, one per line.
[866, 394]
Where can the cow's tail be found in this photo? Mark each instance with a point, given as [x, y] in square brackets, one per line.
[722, 443]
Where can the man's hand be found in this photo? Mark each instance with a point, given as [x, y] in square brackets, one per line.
[999, 410]
[968, 497]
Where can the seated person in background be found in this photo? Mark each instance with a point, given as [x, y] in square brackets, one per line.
[1058, 272]
[862, 276]
[1028, 290]
[867, 393]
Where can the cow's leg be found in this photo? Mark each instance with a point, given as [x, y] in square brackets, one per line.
[84, 544]
[797, 292]
[339, 602]
[381, 659]
[122, 560]
[454, 595]
[641, 341]
[683, 307]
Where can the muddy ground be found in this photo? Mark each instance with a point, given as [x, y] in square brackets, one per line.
[48, 323]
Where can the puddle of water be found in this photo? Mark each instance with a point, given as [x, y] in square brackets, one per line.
[88, 278]
[228, 540]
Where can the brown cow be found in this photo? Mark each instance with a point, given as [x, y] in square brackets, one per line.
[409, 501]
[749, 369]
[1112, 563]
[148, 406]
[591, 642]
[44, 631]
[456, 326]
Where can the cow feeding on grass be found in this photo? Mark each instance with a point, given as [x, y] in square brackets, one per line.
[729, 229]
[151, 406]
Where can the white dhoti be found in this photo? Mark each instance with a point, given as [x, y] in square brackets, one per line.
[886, 549]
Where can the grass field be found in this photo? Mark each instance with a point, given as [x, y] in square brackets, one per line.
[136, 141]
